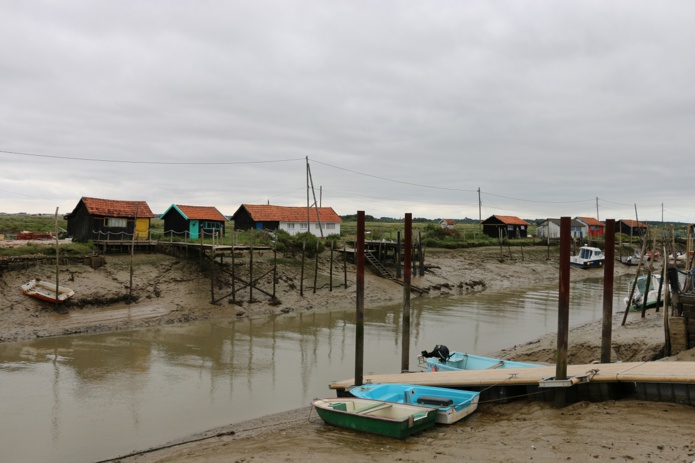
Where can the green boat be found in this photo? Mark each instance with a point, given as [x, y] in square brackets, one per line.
[375, 416]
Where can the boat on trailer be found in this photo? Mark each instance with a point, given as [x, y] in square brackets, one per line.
[440, 359]
[388, 419]
[452, 404]
[588, 257]
[46, 291]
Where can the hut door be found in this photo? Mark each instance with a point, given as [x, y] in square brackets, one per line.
[193, 229]
[142, 228]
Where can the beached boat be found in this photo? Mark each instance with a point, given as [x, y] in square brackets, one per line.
[451, 404]
[388, 419]
[652, 296]
[588, 257]
[46, 291]
[441, 360]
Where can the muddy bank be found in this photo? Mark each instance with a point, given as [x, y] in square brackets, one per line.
[167, 290]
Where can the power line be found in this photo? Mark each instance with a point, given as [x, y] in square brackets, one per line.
[124, 161]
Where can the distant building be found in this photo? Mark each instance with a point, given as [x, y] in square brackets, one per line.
[592, 227]
[505, 226]
[630, 227]
[190, 221]
[293, 220]
[109, 219]
[550, 228]
[447, 223]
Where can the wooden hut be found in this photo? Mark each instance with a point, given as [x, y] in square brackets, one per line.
[550, 228]
[505, 226]
[293, 220]
[630, 227]
[109, 219]
[190, 221]
[592, 228]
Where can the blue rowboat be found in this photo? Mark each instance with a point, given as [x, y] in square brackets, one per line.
[441, 360]
[451, 404]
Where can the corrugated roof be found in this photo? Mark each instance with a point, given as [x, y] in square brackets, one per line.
[509, 220]
[269, 213]
[202, 213]
[591, 221]
[117, 208]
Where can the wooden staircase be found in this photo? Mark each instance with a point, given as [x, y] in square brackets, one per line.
[385, 273]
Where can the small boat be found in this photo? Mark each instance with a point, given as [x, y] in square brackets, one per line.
[375, 416]
[638, 296]
[451, 404]
[441, 360]
[47, 291]
[588, 257]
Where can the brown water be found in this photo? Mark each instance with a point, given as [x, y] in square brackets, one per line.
[92, 397]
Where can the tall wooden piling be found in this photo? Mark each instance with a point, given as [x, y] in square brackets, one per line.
[359, 309]
[405, 352]
[608, 273]
[57, 307]
[563, 306]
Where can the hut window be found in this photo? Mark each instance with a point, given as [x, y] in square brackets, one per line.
[112, 222]
[302, 225]
[330, 226]
[290, 226]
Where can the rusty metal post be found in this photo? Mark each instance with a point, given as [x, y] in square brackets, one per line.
[405, 353]
[607, 326]
[359, 309]
[563, 309]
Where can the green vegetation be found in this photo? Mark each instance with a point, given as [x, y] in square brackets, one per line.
[11, 224]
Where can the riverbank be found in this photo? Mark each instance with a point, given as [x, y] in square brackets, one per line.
[167, 290]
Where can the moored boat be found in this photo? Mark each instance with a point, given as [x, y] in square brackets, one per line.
[588, 257]
[441, 360]
[46, 291]
[388, 419]
[452, 404]
[655, 285]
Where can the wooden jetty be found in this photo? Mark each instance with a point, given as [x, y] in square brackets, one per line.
[656, 381]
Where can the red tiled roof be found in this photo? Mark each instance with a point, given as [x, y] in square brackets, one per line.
[591, 221]
[510, 220]
[202, 213]
[268, 213]
[117, 208]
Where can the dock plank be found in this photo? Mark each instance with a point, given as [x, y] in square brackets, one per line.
[667, 372]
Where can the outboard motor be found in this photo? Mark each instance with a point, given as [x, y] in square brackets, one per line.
[439, 352]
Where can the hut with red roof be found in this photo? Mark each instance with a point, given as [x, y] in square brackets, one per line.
[109, 219]
[192, 221]
[321, 221]
[505, 226]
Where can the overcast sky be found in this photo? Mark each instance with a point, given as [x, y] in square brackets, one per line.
[550, 108]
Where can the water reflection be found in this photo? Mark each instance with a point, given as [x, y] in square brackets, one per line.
[92, 397]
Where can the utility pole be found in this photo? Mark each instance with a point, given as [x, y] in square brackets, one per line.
[597, 217]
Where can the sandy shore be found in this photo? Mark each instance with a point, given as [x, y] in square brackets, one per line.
[172, 291]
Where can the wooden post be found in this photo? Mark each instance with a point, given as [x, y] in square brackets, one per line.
[563, 307]
[233, 273]
[57, 305]
[212, 272]
[275, 266]
[398, 254]
[316, 265]
[132, 254]
[634, 284]
[359, 306]
[251, 266]
[301, 274]
[667, 333]
[330, 271]
[405, 352]
[345, 264]
[421, 254]
[608, 274]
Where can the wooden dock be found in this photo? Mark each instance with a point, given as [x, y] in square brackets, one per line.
[661, 381]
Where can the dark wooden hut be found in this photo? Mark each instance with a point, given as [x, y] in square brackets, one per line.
[189, 221]
[109, 219]
[505, 226]
[630, 227]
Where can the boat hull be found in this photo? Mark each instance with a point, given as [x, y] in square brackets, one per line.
[375, 417]
[463, 361]
[452, 404]
[46, 291]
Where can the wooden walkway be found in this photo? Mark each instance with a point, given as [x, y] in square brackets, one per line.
[649, 372]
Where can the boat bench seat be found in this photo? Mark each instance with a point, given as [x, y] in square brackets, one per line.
[370, 408]
[430, 400]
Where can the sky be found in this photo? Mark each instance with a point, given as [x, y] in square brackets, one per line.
[441, 109]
